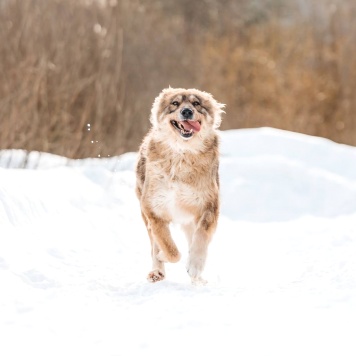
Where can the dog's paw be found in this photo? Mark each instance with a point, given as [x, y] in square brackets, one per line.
[199, 281]
[195, 267]
[155, 276]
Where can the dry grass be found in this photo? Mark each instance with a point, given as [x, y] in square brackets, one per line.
[66, 64]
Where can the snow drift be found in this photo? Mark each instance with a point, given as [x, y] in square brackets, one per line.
[282, 270]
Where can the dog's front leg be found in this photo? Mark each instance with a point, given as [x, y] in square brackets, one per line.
[163, 247]
[158, 271]
[198, 248]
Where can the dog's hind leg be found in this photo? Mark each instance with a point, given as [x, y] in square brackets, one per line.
[188, 230]
[198, 248]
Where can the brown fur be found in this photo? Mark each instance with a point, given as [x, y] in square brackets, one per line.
[178, 178]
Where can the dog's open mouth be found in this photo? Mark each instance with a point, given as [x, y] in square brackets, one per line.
[186, 128]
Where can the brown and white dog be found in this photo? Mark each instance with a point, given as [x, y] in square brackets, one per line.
[178, 178]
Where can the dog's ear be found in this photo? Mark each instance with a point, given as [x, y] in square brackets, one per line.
[158, 105]
[218, 110]
[154, 110]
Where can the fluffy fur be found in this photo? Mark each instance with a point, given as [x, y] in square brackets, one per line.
[178, 178]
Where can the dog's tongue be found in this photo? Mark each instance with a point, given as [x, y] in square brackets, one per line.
[191, 125]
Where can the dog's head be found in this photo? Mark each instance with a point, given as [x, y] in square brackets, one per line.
[186, 113]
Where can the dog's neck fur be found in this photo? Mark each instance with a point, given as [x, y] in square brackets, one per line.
[204, 148]
[181, 164]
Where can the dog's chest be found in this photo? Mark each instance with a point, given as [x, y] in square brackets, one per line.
[178, 187]
[177, 201]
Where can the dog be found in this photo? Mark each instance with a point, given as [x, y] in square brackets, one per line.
[177, 177]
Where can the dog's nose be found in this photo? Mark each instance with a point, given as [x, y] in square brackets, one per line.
[187, 113]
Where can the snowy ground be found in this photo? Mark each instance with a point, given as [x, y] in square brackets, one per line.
[74, 255]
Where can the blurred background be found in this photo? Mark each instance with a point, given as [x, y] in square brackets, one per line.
[78, 77]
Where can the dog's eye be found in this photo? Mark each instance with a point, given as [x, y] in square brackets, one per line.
[196, 103]
[175, 103]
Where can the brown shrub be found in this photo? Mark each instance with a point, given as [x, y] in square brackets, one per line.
[66, 64]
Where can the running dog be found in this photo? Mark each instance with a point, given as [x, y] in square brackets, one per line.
[177, 177]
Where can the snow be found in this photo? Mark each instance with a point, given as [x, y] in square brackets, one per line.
[74, 256]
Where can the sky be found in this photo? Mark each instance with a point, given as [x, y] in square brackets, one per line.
[281, 269]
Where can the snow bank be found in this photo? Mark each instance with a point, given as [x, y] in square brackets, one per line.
[274, 175]
[74, 254]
